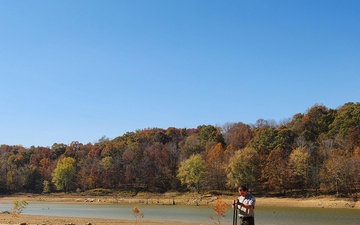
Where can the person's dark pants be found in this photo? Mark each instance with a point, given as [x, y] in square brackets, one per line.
[247, 221]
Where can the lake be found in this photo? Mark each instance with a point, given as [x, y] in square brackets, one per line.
[264, 215]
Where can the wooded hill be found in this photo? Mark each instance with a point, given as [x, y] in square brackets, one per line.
[315, 151]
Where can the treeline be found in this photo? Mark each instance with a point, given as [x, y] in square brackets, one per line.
[315, 151]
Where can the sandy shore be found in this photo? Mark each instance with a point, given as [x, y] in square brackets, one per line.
[184, 199]
[40, 220]
[168, 199]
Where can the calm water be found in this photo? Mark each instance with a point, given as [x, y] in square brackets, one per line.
[307, 216]
[264, 215]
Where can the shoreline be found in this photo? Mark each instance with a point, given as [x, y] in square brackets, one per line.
[189, 199]
[152, 199]
[58, 220]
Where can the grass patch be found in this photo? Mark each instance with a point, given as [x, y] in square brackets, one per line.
[100, 192]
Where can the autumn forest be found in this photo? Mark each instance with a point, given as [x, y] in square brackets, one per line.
[313, 152]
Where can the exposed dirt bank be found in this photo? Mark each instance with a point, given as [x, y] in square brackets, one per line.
[183, 199]
[53, 220]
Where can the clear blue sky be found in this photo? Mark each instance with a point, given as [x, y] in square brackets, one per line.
[77, 70]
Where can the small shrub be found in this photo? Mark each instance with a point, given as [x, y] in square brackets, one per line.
[18, 208]
[100, 192]
[137, 214]
[220, 210]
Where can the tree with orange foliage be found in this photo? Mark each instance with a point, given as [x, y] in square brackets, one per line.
[215, 159]
[137, 214]
[220, 210]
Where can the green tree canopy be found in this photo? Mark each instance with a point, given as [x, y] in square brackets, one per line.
[299, 163]
[64, 174]
[243, 168]
[192, 172]
[346, 126]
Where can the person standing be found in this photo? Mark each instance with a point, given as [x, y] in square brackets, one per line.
[246, 206]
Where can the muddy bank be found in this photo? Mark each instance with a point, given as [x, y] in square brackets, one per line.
[183, 199]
